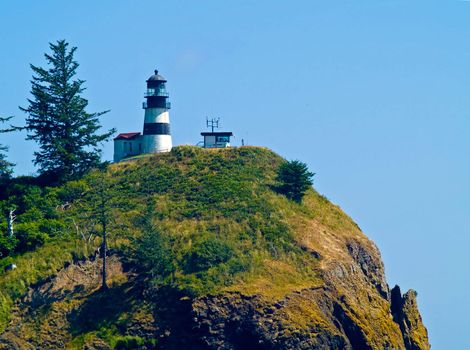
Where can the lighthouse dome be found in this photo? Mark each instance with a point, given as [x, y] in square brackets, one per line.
[156, 77]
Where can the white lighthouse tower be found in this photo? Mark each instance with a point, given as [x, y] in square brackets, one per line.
[156, 136]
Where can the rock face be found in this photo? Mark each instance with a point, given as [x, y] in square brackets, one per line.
[326, 320]
[239, 322]
[354, 309]
[406, 314]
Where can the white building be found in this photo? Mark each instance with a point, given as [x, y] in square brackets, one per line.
[127, 145]
[216, 139]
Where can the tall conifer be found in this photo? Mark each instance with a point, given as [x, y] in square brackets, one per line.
[5, 166]
[68, 136]
[294, 179]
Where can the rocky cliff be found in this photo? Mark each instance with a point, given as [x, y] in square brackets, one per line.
[321, 287]
[352, 308]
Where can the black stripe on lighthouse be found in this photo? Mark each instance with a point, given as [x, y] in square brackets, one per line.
[156, 129]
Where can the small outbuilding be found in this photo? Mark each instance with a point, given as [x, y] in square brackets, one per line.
[127, 145]
[216, 139]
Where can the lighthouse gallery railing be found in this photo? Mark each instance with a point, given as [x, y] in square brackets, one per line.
[153, 92]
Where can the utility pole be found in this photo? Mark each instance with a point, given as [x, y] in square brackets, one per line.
[11, 220]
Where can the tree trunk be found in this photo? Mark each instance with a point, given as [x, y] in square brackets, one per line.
[105, 247]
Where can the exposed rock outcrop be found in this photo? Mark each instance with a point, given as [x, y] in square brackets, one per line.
[353, 309]
[55, 310]
[405, 312]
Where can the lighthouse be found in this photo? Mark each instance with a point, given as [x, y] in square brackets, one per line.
[156, 136]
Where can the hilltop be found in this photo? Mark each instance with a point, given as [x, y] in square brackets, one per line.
[248, 269]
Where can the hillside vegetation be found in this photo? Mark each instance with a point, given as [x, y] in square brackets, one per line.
[203, 251]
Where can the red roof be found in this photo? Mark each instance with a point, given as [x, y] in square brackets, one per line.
[127, 136]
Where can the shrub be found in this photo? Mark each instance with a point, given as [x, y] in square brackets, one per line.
[7, 244]
[184, 152]
[5, 262]
[129, 342]
[208, 253]
[71, 191]
[29, 237]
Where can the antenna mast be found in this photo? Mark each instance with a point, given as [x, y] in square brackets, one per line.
[212, 123]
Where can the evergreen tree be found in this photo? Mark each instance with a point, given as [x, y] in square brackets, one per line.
[154, 255]
[5, 166]
[57, 120]
[295, 180]
[153, 251]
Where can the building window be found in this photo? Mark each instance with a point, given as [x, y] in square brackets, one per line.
[130, 146]
[140, 148]
[223, 139]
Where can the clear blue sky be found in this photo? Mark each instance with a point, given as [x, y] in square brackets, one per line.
[374, 95]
